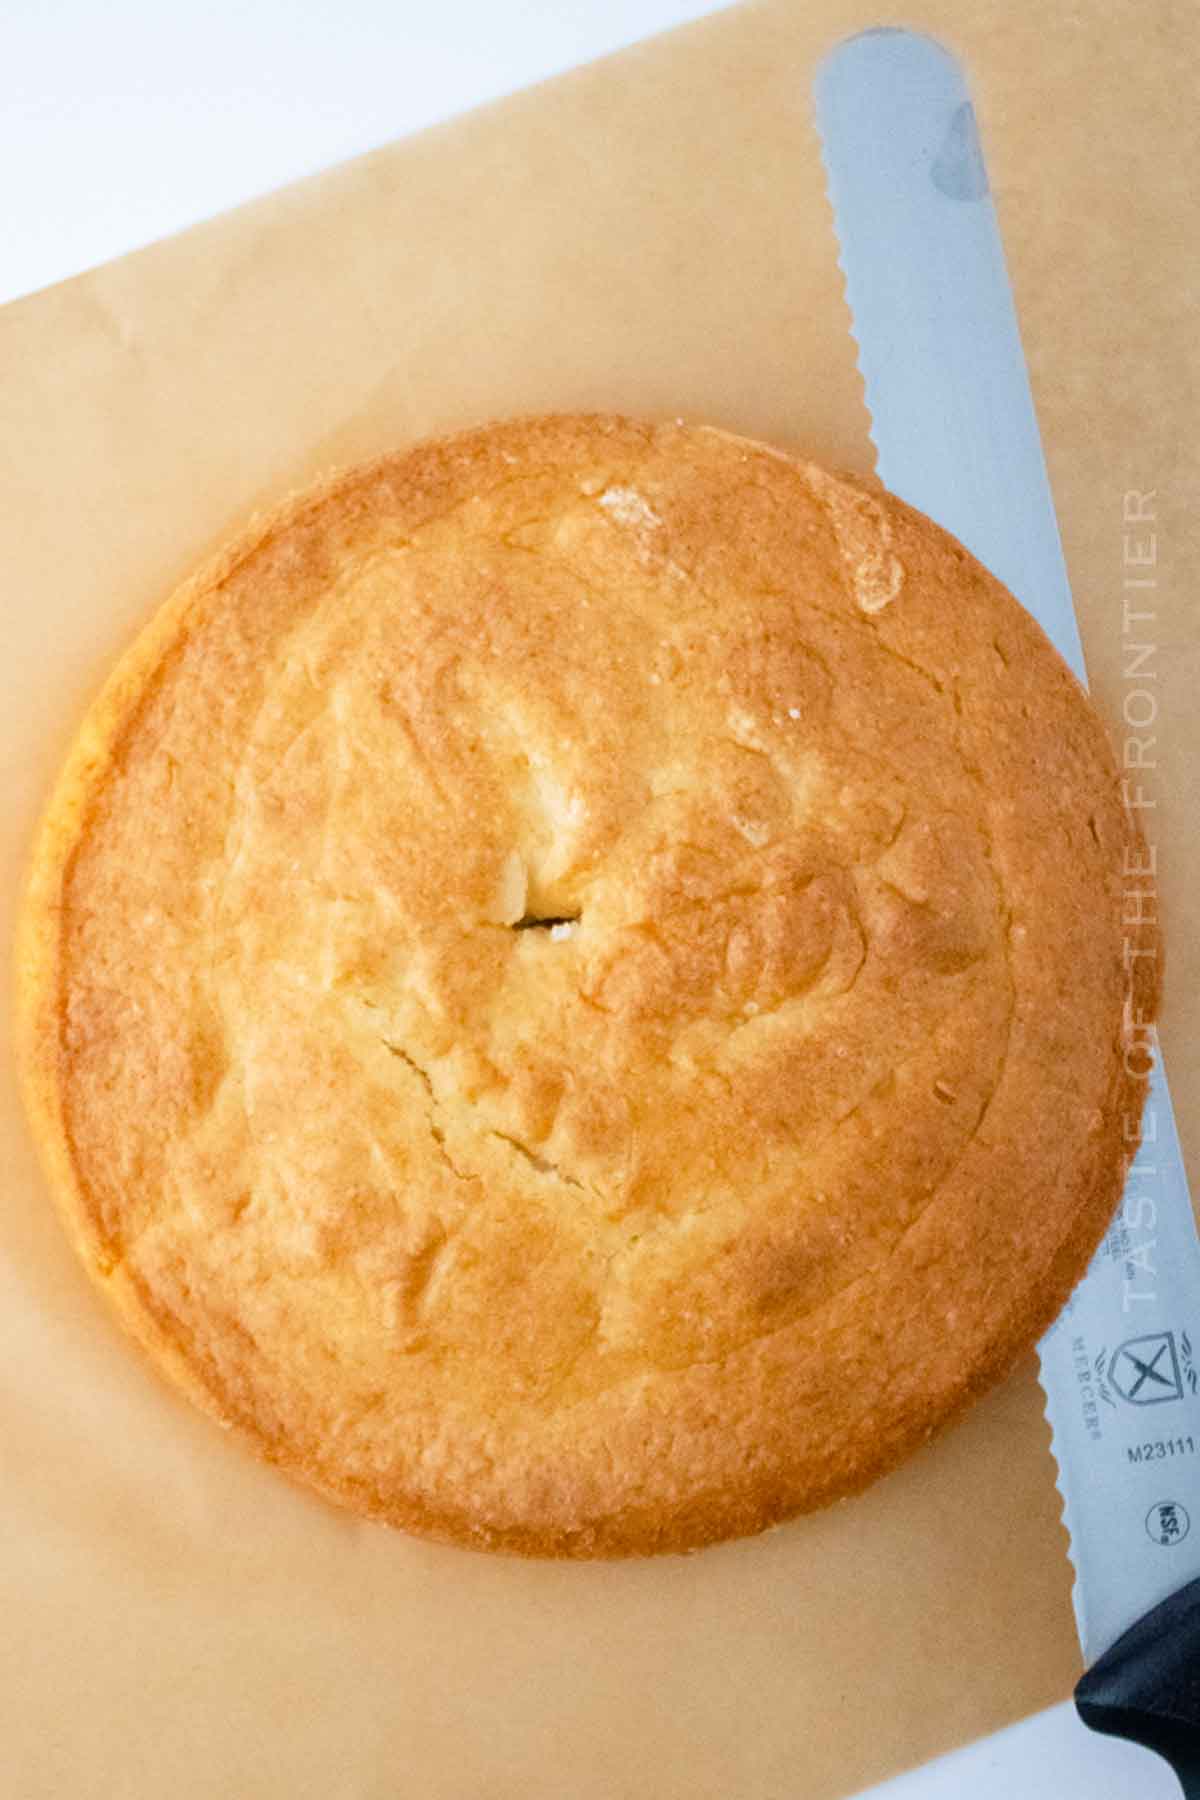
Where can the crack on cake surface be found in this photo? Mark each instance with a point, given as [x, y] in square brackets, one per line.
[435, 1130]
[543, 1164]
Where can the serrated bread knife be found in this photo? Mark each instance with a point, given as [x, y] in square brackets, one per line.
[956, 434]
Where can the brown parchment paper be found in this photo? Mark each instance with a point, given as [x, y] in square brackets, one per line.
[650, 233]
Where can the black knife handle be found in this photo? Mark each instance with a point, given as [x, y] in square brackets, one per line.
[1147, 1687]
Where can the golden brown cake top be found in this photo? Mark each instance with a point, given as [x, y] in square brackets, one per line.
[574, 985]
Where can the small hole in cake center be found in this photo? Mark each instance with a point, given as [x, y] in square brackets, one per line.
[559, 925]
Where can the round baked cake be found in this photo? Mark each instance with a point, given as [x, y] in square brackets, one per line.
[573, 986]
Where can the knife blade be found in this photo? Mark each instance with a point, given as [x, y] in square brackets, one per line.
[953, 423]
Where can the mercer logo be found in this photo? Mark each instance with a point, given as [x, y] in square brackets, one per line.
[1145, 1371]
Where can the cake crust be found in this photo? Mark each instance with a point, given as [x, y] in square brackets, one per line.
[573, 986]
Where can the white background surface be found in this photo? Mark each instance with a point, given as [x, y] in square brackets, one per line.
[123, 121]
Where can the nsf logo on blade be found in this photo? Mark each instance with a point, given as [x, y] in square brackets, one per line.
[1167, 1523]
[1147, 1371]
